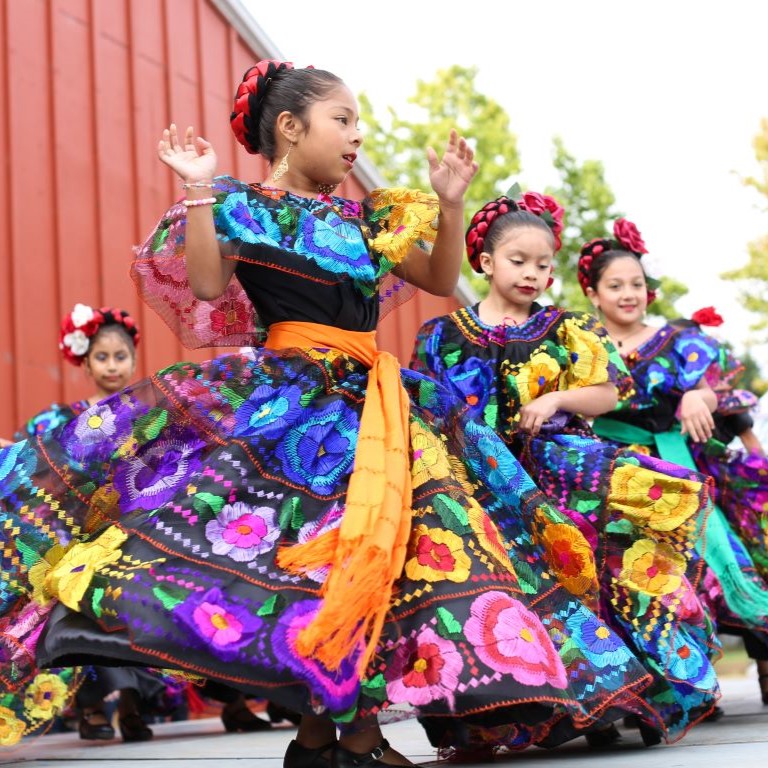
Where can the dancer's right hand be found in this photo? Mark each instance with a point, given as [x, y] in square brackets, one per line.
[193, 160]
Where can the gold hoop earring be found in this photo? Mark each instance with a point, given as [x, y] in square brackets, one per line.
[282, 167]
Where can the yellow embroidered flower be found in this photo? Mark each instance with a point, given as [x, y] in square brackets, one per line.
[39, 572]
[45, 696]
[69, 578]
[588, 357]
[11, 728]
[430, 459]
[653, 568]
[649, 498]
[488, 535]
[410, 218]
[436, 554]
[570, 557]
[539, 375]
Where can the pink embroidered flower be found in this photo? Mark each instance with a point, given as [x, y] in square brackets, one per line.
[242, 532]
[425, 668]
[510, 639]
[217, 625]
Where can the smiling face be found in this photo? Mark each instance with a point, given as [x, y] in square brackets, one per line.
[520, 266]
[111, 361]
[621, 293]
[328, 140]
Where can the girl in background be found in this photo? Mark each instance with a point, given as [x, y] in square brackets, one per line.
[532, 373]
[671, 413]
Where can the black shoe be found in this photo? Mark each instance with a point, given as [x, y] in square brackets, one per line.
[763, 691]
[242, 720]
[714, 715]
[344, 758]
[95, 731]
[297, 756]
[650, 735]
[277, 714]
[133, 728]
[605, 736]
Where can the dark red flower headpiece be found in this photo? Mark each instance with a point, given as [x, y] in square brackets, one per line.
[626, 237]
[543, 206]
[80, 325]
[249, 97]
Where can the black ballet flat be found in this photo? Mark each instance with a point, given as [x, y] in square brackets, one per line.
[297, 756]
[243, 721]
[133, 728]
[277, 714]
[95, 731]
[344, 758]
[601, 738]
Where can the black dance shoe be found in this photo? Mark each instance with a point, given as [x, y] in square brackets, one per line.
[133, 728]
[603, 737]
[95, 731]
[763, 690]
[297, 756]
[344, 758]
[242, 720]
[277, 714]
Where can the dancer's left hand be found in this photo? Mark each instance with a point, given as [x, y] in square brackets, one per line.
[536, 413]
[450, 176]
[695, 417]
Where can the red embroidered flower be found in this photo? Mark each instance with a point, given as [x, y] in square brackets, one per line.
[707, 316]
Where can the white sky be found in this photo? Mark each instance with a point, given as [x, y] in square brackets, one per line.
[668, 94]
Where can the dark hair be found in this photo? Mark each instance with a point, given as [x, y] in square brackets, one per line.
[514, 220]
[270, 88]
[595, 257]
[119, 330]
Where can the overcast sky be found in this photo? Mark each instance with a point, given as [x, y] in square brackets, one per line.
[668, 94]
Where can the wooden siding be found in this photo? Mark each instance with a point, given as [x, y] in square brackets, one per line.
[86, 86]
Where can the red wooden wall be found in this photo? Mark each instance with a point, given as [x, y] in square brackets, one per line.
[86, 87]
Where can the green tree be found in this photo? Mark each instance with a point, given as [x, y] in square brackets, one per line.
[397, 144]
[590, 211]
[753, 276]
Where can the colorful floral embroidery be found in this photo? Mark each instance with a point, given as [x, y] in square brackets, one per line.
[242, 532]
[653, 568]
[45, 696]
[438, 555]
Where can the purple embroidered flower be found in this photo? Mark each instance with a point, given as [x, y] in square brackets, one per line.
[159, 469]
[337, 690]
[268, 412]
[599, 643]
[333, 243]
[242, 532]
[319, 450]
[217, 623]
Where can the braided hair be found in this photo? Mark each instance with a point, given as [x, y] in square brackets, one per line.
[597, 254]
[269, 88]
[490, 223]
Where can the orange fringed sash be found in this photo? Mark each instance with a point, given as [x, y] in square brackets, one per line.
[366, 553]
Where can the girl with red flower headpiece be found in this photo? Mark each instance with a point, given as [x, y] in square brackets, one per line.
[533, 373]
[682, 408]
[307, 522]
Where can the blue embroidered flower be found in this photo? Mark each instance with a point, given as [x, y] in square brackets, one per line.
[685, 661]
[268, 412]
[319, 450]
[237, 220]
[474, 381]
[336, 245]
[600, 644]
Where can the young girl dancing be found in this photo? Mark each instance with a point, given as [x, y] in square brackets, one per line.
[671, 413]
[532, 373]
[306, 522]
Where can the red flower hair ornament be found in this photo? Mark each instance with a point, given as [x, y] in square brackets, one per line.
[707, 316]
[626, 237]
[543, 206]
[246, 112]
[80, 325]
